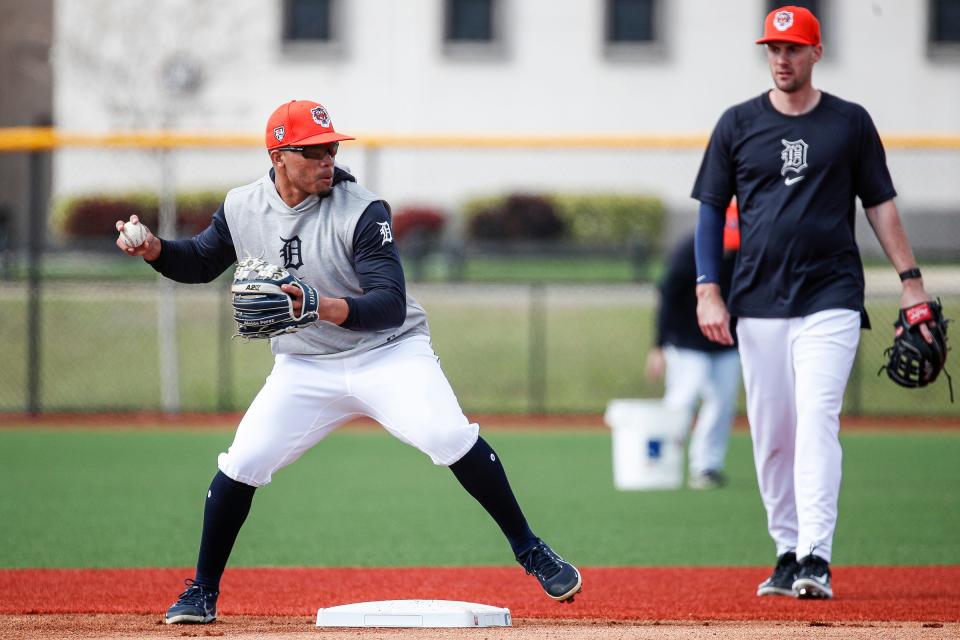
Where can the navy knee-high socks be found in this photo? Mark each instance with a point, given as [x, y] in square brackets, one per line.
[482, 475]
[227, 506]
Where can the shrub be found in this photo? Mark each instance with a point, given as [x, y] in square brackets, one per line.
[516, 217]
[613, 219]
[417, 231]
[589, 219]
[418, 224]
[94, 215]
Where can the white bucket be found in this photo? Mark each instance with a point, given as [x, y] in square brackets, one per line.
[648, 443]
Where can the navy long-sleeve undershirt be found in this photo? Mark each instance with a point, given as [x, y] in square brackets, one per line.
[383, 304]
[709, 243]
[200, 258]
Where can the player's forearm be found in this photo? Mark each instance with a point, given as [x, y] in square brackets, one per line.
[709, 292]
[333, 310]
[709, 243]
[181, 260]
[885, 220]
[152, 253]
[200, 258]
[375, 310]
[662, 321]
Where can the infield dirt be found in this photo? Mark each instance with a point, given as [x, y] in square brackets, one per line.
[623, 602]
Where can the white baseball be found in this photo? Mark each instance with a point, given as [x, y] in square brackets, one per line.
[133, 234]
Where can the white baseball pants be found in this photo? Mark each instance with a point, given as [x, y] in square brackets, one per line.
[795, 371]
[305, 398]
[712, 379]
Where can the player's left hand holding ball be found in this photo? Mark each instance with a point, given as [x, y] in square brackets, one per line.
[135, 239]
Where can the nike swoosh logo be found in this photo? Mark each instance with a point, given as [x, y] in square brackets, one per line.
[790, 181]
[701, 278]
[821, 579]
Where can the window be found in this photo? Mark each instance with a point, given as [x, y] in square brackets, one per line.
[631, 21]
[632, 30]
[473, 30]
[470, 21]
[945, 23]
[813, 5]
[308, 21]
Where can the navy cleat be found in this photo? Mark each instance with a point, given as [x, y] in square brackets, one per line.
[813, 579]
[196, 605]
[559, 578]
[780, 582]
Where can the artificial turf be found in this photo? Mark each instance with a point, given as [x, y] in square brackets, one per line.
[134, 498]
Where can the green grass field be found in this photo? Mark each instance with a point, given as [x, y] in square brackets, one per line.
[72, 498]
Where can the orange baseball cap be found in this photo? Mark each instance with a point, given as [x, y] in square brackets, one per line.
[301, 123]
[791, 24]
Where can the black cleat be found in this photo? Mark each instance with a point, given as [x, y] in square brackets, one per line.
[781, 581]
[559, 578]
[196, 605]
[813, 579]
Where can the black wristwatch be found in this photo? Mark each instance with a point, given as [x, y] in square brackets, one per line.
[910, 273]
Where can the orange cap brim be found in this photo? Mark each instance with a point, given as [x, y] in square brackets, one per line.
[786, 38]
[323, 138]
[320, 138]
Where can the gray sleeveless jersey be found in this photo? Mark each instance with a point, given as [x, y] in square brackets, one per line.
[314, 240]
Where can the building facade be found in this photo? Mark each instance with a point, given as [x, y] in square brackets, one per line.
[489, 68]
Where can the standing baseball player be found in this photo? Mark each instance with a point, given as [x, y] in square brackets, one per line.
[796, 158]
[368, 354]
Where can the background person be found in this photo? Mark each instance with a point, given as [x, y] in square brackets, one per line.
[697, 370]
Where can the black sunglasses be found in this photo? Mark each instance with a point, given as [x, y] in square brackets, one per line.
[315, 151]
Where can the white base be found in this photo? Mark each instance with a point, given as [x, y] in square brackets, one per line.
[413, 613]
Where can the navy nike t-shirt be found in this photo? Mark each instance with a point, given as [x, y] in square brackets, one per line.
[796, 179]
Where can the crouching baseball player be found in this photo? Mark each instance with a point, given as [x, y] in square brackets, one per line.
[348, 341]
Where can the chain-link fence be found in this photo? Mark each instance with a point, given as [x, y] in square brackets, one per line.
[506, 348]
[89, 329]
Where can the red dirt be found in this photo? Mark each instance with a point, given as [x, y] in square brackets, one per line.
[924, 594]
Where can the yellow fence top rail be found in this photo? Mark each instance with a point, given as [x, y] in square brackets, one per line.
[38, 139]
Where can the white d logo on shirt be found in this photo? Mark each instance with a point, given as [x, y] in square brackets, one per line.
[794, 156]
[385, 233]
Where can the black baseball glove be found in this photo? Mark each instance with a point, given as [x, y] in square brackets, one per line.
[261, 308]
[912, 361]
